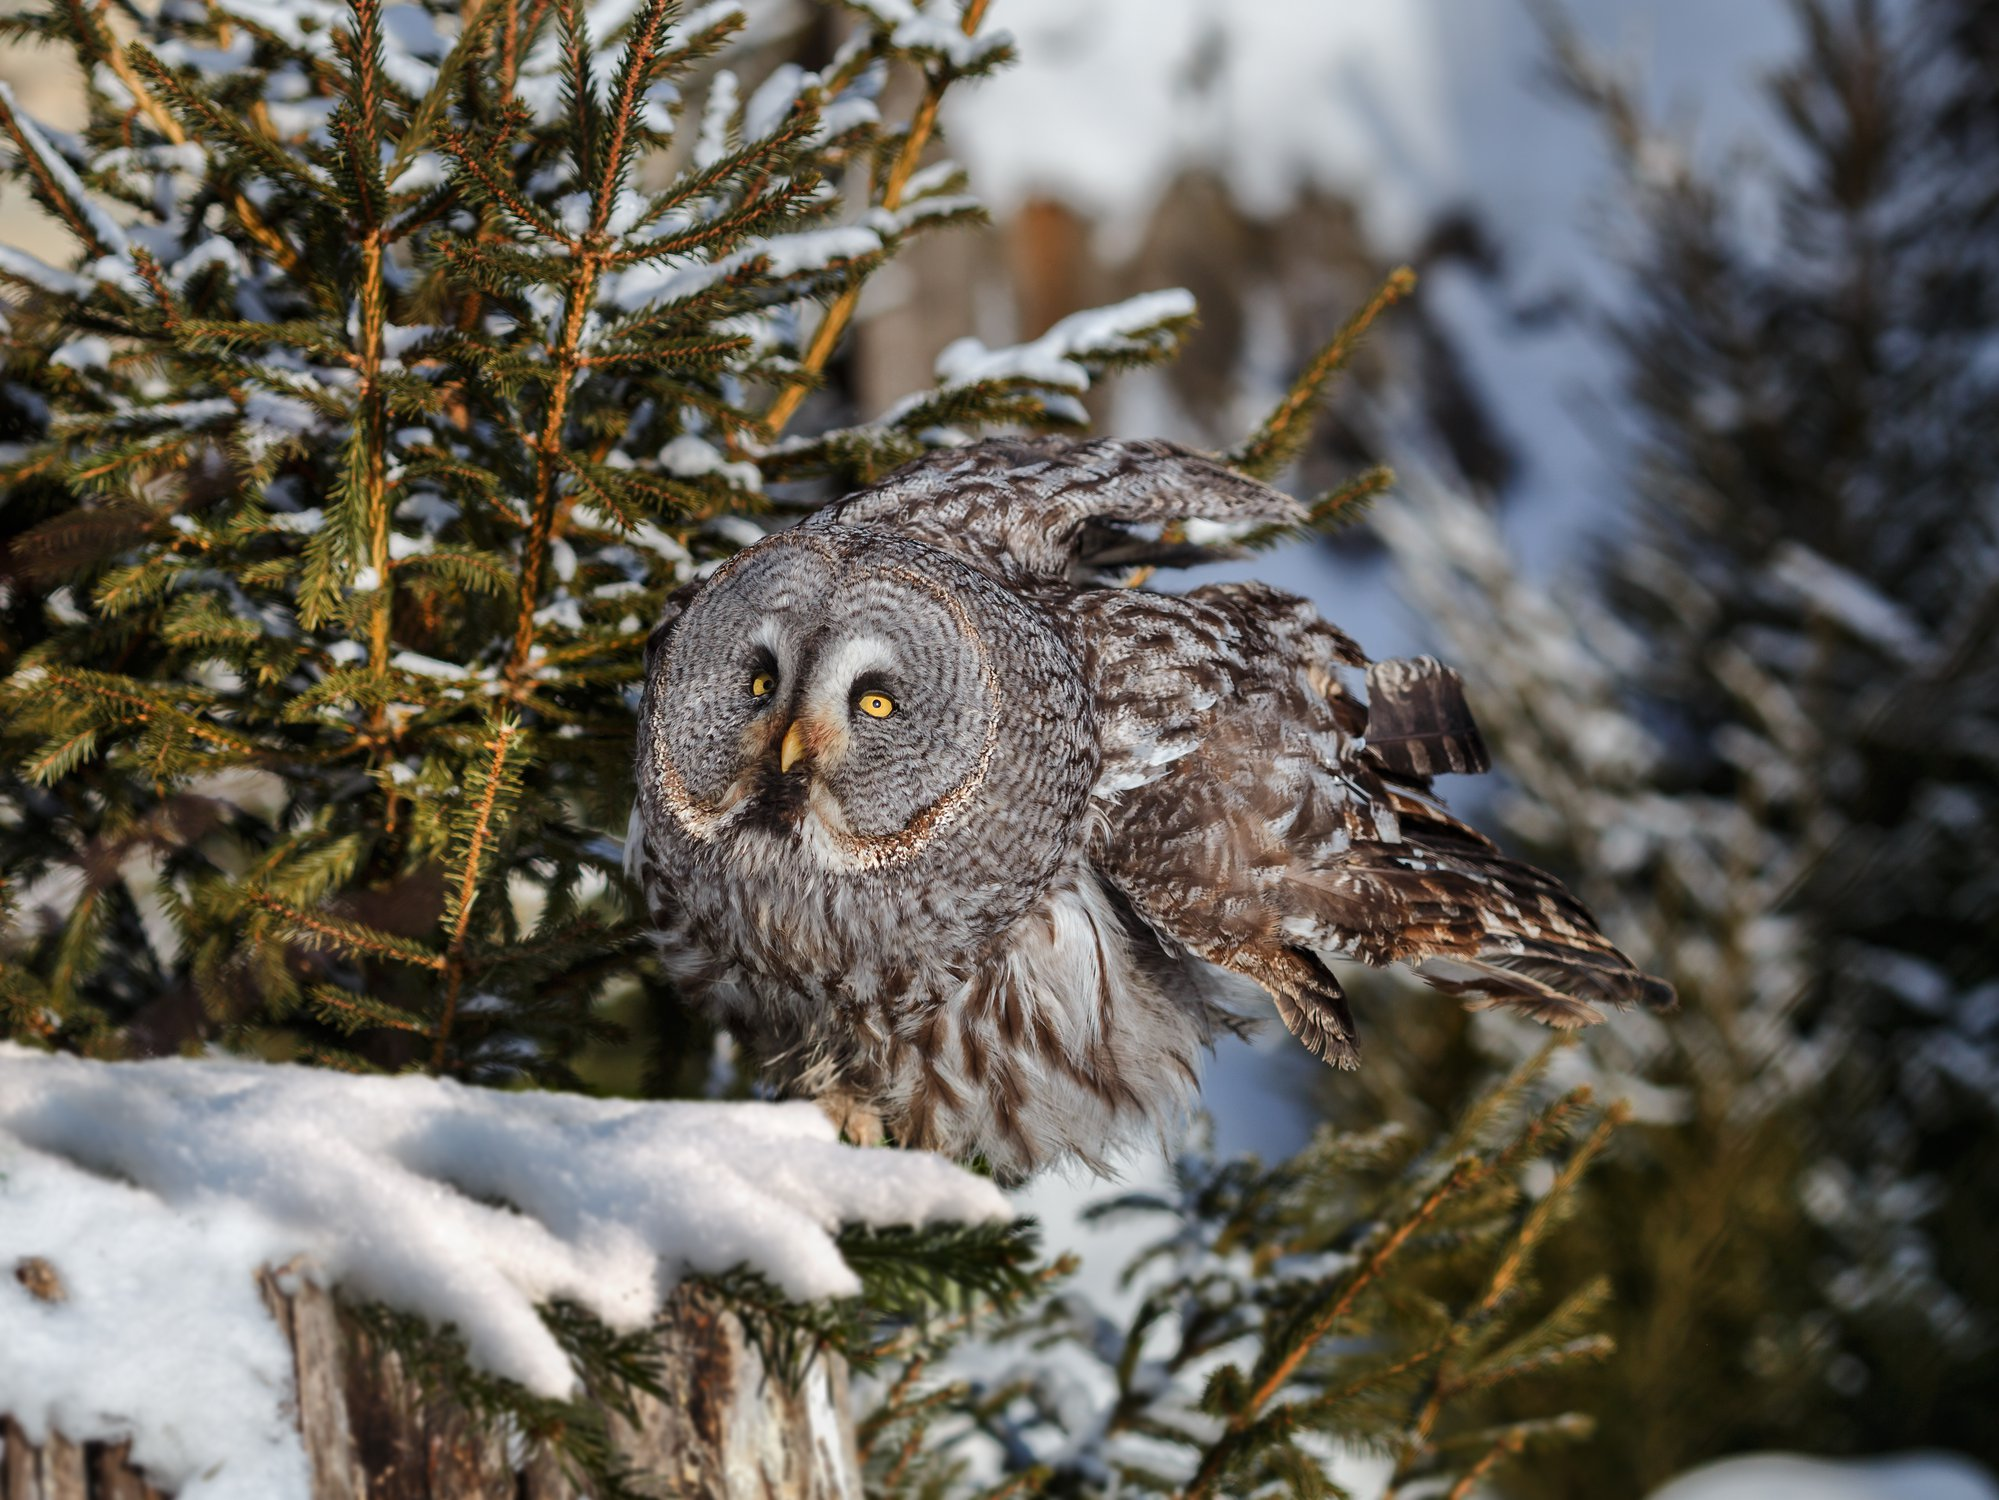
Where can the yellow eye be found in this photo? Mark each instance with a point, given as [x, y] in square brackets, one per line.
[761, 685]
[877, 705]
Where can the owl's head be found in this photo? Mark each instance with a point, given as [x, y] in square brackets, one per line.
[861, 701]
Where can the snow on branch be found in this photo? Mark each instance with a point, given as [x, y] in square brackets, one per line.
[936, 32]
[1847, 599]
[1063, 355]
[154, 1192]
[1062, 361]
[57, 178]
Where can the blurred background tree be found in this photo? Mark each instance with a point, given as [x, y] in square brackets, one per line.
[1761, 730]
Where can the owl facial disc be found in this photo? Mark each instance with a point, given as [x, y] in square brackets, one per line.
[812, 699]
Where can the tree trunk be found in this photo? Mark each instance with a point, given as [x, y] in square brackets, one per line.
[370, 1434]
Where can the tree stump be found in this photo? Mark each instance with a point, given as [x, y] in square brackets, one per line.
[730, 1430]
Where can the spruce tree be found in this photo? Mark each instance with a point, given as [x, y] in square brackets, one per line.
[409, 356]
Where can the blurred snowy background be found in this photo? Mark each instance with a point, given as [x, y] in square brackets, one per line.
[1278, 157]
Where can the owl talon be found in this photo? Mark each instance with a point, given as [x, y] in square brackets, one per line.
[857, 1123]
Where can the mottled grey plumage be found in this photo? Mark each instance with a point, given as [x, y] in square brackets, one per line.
[1001, 915]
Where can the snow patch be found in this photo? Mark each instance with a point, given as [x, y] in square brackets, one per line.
[419, 665]
[213, 251]
[771, 105]
[1783, 1476]
[302, 522]
[424, 171]
[287, 20]
[1848, 599]
[271, 421]
[87, 352]
[784, 254]
[38, 273]
[717, 116]
[1051, 359]
[691, 457]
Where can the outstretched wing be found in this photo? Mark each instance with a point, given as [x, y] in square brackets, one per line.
[1248, 820]
[1051, 509]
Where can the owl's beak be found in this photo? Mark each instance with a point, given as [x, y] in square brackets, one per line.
[793, 748]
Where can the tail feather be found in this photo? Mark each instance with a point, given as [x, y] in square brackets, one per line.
[1485, 985]
[1469, 921]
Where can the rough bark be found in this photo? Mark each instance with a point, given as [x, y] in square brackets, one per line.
[729, 1430]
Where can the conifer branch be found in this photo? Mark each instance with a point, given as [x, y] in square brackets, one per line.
[269, 157]
[72, 953]
[349, 937]
[60, 756]
[372, 437]
[354, 1012]
[1304, 1412]
[634, 73]
[475, 20]
[702, 182]
[566, 353]
[254, 224]
[1500, 1284]
[471, 159]
[1278, 438]
[1216, 1461]
[141, 709]
[551, 462]
[31, 147]
[358, 123]
[762, 211]
[813, 363]
[893, 1404]
[1469, 1480]
[1462, 1177]
[495, 785]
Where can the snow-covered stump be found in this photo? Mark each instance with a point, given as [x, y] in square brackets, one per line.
[729, 1432]
[62, 1470]
[732, 1428]
[173, 1235]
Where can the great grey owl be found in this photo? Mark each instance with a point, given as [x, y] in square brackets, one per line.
[945, 825]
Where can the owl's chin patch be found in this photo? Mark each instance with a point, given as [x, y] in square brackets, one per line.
[778, 803]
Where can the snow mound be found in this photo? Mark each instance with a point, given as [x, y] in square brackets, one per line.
[155, 1191]
[1784, 1476]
